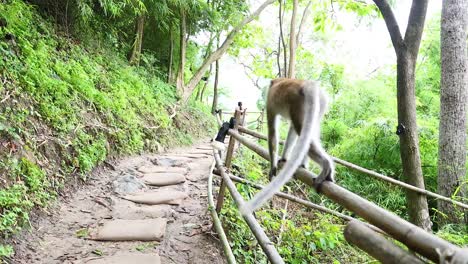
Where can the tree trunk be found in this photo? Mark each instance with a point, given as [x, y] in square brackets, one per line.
[215, 89]
[278, 56]
[205, 84]
[220, 51]
[407, 52]
[453, 103]
[183, 46]
[409, 144]
[283, 42]
[197, 97]
[170, 78]
[292, 42]
[136, 51]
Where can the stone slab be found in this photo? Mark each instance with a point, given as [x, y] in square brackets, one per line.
[163, 179]
[123, 209]
[132, 230]
[156, 169]
[158, 197]
[128, 258]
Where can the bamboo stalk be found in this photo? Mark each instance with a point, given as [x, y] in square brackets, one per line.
[267, 246]
[216, 222]
[376, 245]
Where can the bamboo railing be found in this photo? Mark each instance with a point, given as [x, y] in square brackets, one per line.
[365, 236]
[373, 174]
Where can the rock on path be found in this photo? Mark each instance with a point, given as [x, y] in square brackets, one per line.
[150, 209]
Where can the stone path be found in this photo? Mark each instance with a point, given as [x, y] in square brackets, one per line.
[149, 209]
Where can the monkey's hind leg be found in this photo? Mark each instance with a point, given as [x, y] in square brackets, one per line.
[272, 143]
[318, 154]
[288, 146]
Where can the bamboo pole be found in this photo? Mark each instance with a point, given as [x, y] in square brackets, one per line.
[267, 246]
[397, 182]
[414, 237]
[216, 222]
[231, 113]
[376, 245]
[373, 173]
[298, 200]
[229, 153]
[260, 120]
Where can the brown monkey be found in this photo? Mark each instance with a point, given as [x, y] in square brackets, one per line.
[304, 104]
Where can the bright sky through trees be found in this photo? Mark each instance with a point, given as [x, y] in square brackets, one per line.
[363, 46]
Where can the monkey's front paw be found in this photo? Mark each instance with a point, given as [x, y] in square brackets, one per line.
[318, 184]
[321, 179]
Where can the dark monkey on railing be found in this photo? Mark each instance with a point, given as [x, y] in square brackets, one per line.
[304, 103]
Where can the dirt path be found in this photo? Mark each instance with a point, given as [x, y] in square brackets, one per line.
[62, 237]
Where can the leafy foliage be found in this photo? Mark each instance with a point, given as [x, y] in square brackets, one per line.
[67, 107]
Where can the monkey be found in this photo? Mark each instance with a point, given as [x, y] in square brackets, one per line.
[304, 104]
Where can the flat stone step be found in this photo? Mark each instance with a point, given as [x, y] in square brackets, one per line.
[123, 209]
[163, 178]
[188, 156]
[127, 258]
[202, 152]
[157, 197]
[132, 230]
[205, 148]
[156, 169]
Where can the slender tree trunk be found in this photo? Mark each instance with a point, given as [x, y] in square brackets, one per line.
[215, 89]
[453, 104]
[206, 83]
[407, 51]
[305, 15]
[197, 97]
[409, 144]
[170, 78]
[180, 83]
[292, 42]
[201, 90]
[220, 51]
[278, 56]
[283, 42]
[136, 51]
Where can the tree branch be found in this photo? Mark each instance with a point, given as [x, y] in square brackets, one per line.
[392, 24]
[221, 50]
[415, 26]
[305, 14]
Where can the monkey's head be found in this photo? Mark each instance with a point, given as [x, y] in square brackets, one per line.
[275, 81]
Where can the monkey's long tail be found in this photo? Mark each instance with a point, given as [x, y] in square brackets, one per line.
[311, 120]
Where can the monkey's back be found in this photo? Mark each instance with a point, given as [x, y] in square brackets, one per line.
[286, 96]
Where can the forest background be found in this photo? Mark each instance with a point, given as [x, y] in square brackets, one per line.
[91, 79]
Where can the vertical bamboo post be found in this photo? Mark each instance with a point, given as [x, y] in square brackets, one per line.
[243, 113]
[229, 152]
[260, 120]
[220, 114]
[243, 116]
